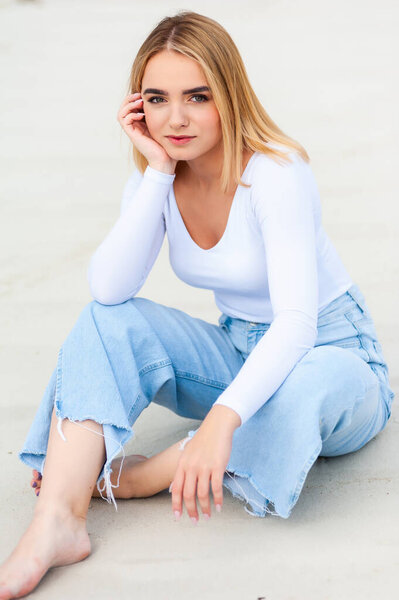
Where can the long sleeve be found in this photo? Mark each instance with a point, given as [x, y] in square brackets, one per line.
[121, 264]
[282, 205]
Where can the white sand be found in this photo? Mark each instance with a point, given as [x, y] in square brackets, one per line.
[325, 73]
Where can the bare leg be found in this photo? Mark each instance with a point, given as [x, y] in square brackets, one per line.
[57, 534]
[140, 476]
[156, 473]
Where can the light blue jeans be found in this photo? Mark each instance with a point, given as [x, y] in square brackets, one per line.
[119, 358]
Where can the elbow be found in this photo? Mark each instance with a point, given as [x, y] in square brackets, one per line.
[108, 297]
[105, 291]
[96, 286]
[312, 337]
[103, 296]
[302, 326]
[308, 333]
[104, 299]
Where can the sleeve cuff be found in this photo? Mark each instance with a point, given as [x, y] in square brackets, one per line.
[221, 402]
[159, 176]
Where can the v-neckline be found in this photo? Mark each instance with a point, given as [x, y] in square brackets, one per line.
[228, 219]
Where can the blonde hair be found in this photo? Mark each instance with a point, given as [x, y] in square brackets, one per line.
[244, 122]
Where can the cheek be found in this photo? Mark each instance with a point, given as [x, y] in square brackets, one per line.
[212, 123]
[150, 118]
[153, 122]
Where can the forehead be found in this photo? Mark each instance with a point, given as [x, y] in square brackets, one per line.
[171, 70]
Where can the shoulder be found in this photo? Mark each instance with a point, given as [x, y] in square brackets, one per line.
[269, 169]
[280, 185]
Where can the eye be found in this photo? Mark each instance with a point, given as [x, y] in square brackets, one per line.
[202, 96]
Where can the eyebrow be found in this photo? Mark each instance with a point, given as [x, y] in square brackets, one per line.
[202, 88]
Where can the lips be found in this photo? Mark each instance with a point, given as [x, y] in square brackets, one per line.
[180, 137]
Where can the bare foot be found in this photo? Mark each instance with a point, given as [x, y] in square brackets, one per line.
[126, 480]
[51, 540]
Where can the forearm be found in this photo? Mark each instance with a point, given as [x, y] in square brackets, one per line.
[121, 263]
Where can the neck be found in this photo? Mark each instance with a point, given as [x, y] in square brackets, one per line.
[204, 172]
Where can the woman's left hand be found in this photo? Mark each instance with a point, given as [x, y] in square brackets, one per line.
[203, 460]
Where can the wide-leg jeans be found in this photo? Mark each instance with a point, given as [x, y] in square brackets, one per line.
[117, 359]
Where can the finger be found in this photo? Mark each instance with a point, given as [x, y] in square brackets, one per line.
[130, 97]
[203, 493]
[189, 494]
[217, 488]
[177, 492]
[133, 117]
[125, 110]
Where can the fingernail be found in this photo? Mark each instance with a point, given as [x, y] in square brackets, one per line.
[177, 515]
[34, 484]
[170, 487]
[37, 492]
[39, 476]
[218, 507]
[206, 516]
[194, 520]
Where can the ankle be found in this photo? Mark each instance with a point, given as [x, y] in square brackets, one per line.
[58, 513]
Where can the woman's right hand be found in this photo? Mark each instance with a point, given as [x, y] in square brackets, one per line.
[133, 124]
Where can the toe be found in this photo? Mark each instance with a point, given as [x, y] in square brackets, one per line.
[35, 484]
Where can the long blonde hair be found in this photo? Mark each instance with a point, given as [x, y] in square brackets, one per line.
[244, 122]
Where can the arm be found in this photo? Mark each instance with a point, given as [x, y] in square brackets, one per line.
[283, 206]
[282, 203]
[120, 265]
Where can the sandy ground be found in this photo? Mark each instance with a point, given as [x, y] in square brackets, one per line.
[325, 73]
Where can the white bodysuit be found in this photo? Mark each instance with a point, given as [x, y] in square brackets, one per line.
[274, 264]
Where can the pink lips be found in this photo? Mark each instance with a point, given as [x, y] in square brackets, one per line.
[180, 140]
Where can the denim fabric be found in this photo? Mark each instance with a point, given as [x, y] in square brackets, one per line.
[119, 358]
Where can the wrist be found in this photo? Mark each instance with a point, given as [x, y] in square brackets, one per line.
[226, 417]
[168, 169]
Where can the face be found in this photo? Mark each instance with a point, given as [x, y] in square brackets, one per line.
[174, 109]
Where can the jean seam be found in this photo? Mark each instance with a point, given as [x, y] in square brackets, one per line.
[304, 473]
[359, 335]
[157, 365]
[200, 379]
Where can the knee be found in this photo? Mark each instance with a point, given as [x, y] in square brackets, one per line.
[99, 307]
[335, 366]
[94, 317]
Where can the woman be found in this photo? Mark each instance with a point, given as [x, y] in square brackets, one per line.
[293, 370]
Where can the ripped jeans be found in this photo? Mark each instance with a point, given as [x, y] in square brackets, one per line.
[117, 359]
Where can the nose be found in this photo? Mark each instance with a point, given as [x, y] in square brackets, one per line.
[178, 117]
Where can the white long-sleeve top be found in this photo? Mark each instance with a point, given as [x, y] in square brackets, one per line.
[274, 264]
